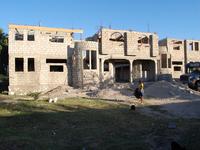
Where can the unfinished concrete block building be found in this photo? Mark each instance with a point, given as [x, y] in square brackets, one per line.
[38, 58]
[43, 58]
[175, 54]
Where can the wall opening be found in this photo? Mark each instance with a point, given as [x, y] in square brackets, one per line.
[94, 59]
[164, 60]
[56, 68]
[19, 64]
[144, 69]
[121, 70]
[177, 68]
[143, 40]
[190, 46]
[177, 62]
[31, 36]
[57, 39]
[86, 59]
[117, 36]
[106, 66]
[196, 45]
[19, 36]
[169, 62]
[31, 64]
[56, 60]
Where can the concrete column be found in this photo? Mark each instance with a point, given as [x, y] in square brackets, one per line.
[25, 64]
[156, 70]
[90, 63]
[131, 71]
[140, 69]
[102, 69]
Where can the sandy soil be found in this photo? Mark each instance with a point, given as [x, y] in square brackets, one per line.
[169, 99]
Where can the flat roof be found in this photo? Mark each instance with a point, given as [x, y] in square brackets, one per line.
[12, 26]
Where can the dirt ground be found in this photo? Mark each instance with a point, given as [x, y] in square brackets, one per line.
[169, 99]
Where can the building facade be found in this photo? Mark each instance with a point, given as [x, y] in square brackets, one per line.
[38, 58]
[175, 54]
[43, 58]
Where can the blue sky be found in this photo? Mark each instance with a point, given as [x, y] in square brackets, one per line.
[168, 18]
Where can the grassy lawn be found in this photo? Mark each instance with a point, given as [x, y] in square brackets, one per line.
[87, 124]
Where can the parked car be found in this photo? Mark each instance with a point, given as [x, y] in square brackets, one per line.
[184, 78]
[194, 80]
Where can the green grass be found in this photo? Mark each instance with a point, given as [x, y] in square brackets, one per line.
[82, 123]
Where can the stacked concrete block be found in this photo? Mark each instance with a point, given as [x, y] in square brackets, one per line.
[87, 77]
[40, 49]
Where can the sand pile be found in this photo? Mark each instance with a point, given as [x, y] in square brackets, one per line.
[167, 90]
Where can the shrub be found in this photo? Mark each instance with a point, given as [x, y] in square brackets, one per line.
[35, 95]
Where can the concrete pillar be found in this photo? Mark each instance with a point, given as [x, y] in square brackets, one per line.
[131, 71]
[140, 69]
[25, 64]
[102, 69]
[90, 63]
[156, 70]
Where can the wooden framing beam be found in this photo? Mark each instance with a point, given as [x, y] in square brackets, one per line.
[12, 26]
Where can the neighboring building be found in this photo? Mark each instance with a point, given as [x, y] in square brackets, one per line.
[175, 54]
[38, 58]
[41, 58]
[192, 51]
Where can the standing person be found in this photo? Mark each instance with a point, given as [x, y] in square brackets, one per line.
[141, 89]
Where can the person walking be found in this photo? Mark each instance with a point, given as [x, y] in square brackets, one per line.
[141, 89]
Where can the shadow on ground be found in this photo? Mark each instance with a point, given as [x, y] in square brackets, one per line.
[40, 125]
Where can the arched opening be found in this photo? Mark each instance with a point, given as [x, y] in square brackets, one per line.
[144, 69]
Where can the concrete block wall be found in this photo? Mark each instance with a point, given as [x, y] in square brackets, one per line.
[184, 54]
[192, 55]
[129, 46]
[40, 49]
[89, 76]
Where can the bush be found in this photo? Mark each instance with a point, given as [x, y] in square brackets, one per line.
[35, 95]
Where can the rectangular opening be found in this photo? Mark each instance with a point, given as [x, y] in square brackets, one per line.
[94, 59]
[106, 66]
[190, 46]
[164, 60]
[56, 61]
[176, 48]
[169, 62]
[54, 68]
[19, 64]
[31, 36]
[196, 46]
[19, 37]
[178, 42]
[86, 59]
[57, 39]
[31, 64]
[177, 68]
[177, 62]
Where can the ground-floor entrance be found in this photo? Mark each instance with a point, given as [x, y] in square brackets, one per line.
[144, 69]
[124, 70]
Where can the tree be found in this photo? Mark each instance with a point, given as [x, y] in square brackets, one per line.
[3, 52]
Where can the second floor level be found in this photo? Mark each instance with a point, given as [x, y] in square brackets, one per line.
[35, 39]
